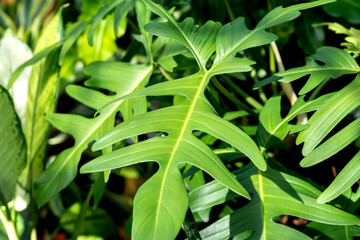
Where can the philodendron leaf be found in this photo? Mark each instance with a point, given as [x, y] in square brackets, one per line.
[320, 231]
[273, 128]
[327, 117]
[122, 78]
[352, 39]
[13, 147]
[334, 63]
[161, 203]
[274, 194]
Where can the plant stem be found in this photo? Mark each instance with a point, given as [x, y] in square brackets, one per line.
[252, 101]
[287, 87]
[8, 224]
[82, 215]
[232, 98]
[229, 10]
[166, 74]
[318, 89]
[190, 226]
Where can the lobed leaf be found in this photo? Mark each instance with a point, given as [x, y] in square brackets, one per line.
[164, 212]
[274, 194]
[325, 63]
[104, 75]
[329, 115]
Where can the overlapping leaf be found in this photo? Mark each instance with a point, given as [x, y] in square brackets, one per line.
[274, 194]
[326, 62]
[161, 203]
[273, 128]
[336, 63]
[13, 147]
[122, 78]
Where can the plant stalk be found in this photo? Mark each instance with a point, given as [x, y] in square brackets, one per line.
[82, 215]
[8, 224]
[287, 87]
[190, 226]
[232, 98]
[252, 101]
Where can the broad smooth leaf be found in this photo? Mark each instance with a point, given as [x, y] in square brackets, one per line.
[161, 203]
[13, 53]
[122, 78]
[13, 147]
[274, 194]
[335, 63]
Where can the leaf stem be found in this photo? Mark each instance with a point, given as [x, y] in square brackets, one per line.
[232, 98]
[190, 226]
[229, 10]
[9, 225]
[166, 74]
[82, 215]
[287, 87]
[252, 101]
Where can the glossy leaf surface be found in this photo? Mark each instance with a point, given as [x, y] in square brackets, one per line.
[274, 194]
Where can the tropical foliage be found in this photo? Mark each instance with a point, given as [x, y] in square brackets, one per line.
[146, 120]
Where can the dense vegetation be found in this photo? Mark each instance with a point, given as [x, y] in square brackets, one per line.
[218, 119]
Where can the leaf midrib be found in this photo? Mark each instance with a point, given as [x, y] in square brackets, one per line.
[179, 139]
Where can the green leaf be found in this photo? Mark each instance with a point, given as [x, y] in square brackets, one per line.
[13, 147]
[334, 63]
[274, 194]
[13, 53]
[320, 231]
[97, 221]
[273, 128]
[73, 34]
[348, 9]
[122, 78]
[352, 43]
[42, 95]
[329, 115]
[200, 41]
[97, 19]
[158, 209]
[333, 145]
[243, 38]
[346, 178]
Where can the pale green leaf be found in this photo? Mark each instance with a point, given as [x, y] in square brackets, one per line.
[42, 95]
[13, 53]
